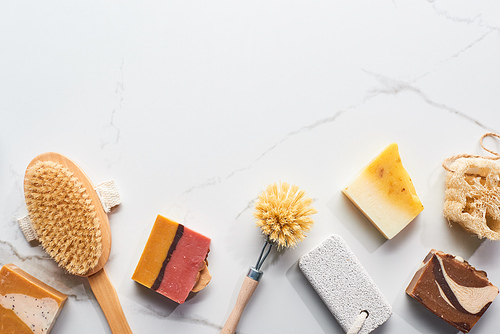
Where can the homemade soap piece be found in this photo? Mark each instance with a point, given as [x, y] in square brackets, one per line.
[344, 285]
[452, 289]
[385, 194]
[173, 262]
[27, 305]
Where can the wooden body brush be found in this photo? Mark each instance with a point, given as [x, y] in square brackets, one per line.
[72, 227]
[282, 213]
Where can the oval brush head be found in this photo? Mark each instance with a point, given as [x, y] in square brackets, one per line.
[282, 213]
[62, 213]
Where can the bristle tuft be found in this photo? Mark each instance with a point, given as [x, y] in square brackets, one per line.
[63, 216]
[283, 214]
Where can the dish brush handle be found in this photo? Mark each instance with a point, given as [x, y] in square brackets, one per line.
[107, 297]
[246, 292]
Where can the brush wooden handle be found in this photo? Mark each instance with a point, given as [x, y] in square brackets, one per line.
[246, 292]
[107, 297]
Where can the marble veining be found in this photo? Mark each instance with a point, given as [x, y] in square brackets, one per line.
[194, 109]
[391, 87]
[394, 87]
[111, 131]
[443, 62]
[473, 19]
[178, 318]
[10, 249]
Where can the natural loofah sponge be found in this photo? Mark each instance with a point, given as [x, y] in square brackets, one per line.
[63, 216]
[472, 197]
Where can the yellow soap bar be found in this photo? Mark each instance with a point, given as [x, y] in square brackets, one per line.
[27, 305]
[384, 192]
[154, 254]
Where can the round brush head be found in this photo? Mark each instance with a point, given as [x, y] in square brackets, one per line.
[63, 216]
[283, 214]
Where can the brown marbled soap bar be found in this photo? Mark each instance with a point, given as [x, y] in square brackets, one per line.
[452, 289]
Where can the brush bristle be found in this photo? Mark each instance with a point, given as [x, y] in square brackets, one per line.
[63, 216]
[283, 214]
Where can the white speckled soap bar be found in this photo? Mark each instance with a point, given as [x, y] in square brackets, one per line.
[27, 305]
[344, 285]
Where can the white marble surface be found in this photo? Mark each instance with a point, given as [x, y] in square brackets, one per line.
[195, 107]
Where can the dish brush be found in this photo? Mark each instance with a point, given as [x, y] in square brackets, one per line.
[283, 214]
[72, 227]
